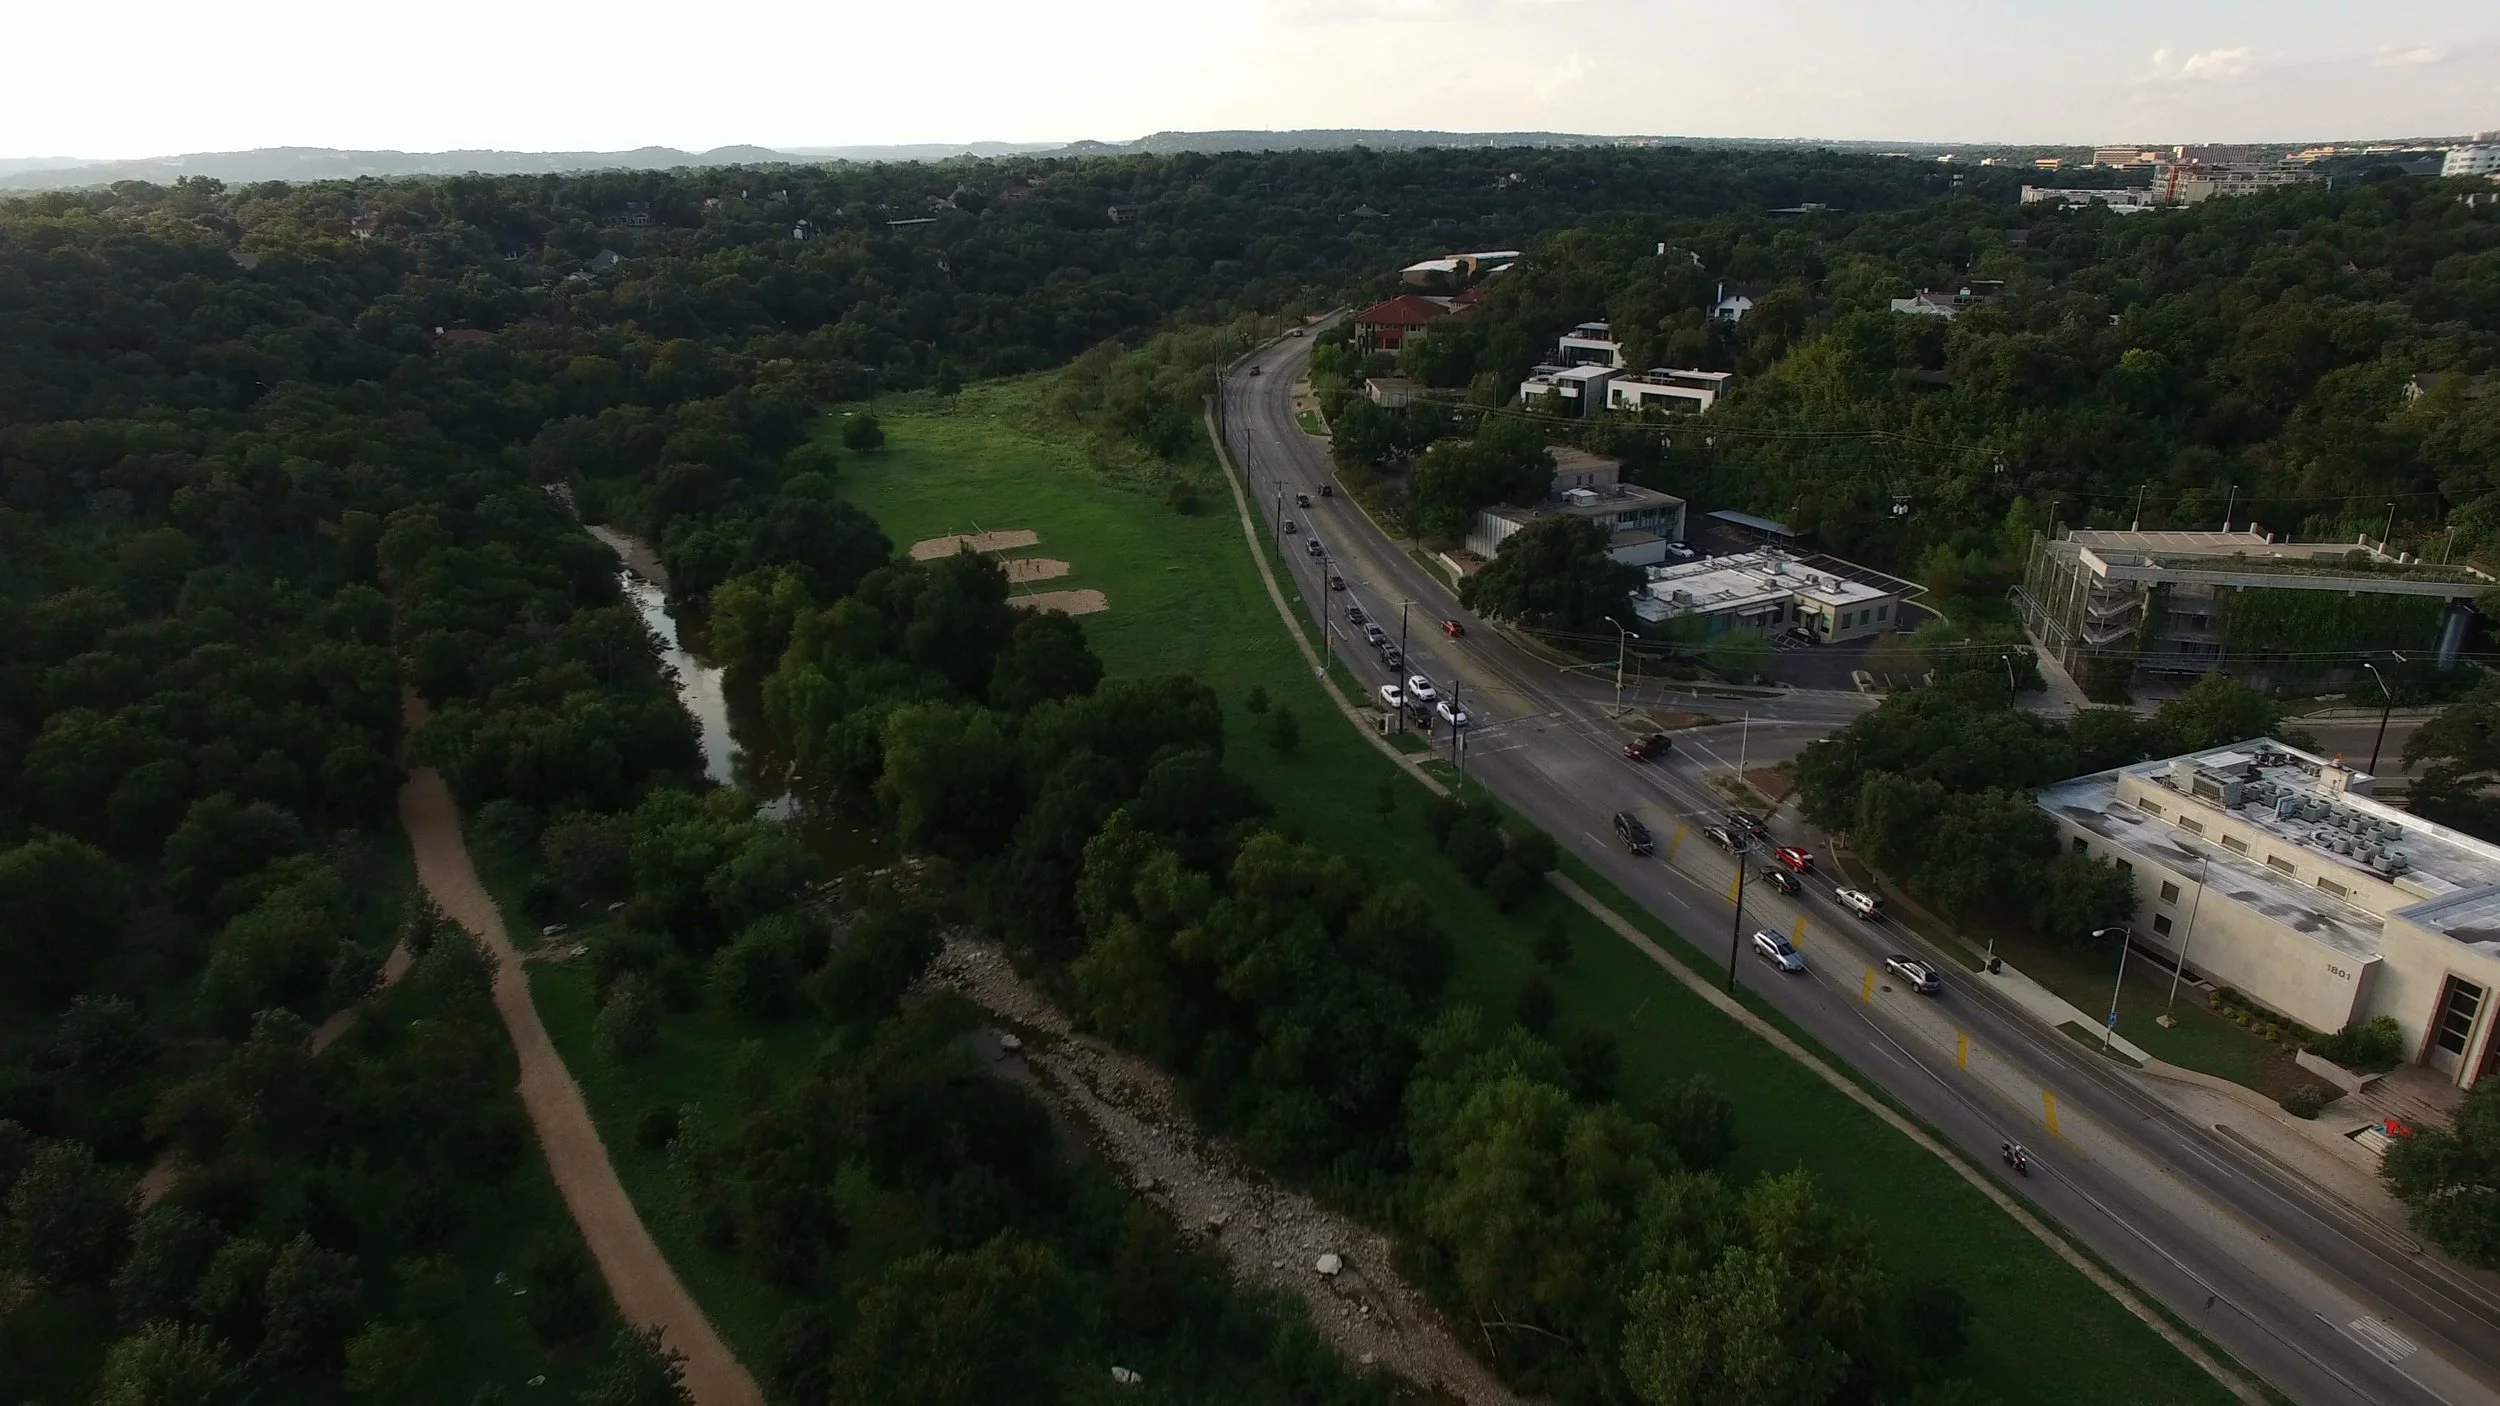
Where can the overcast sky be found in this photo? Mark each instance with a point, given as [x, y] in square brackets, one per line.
[153, 77]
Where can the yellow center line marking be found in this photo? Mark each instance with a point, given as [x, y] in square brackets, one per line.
[1733, 883]
[1798, 938]
[1679, 839]
[2048, 1104]
[1961, 1049]
[1866, 989]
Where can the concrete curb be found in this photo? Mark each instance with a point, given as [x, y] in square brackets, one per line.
[1285, 616]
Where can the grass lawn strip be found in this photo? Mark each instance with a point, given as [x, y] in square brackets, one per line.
[1190, 600]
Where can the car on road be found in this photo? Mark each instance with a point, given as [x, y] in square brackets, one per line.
[1452, 628]
[1915, 974]
[1420, 688]
[1748, 824]
[1355, 614]
[1254, 371]
[1453, 714]
[1392, 657]
[1681, 552]
[1860, 902]
[1773, 948]
[1302, 500]
[1292, 527]
[1650, 748]
[1722, 836]
[1794, 859]
[1375, 636]
[1336, 583]
[1782, 880]
[1392, 697]
[1328, 490]
[1293, 331]
[1635, 835]
[1314, 548]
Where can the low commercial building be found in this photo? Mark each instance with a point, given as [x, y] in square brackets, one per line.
[1639, 522]
[1766, 591]
[2271, 871]
[1390, 392]
[2125, 202]
[2188, 603]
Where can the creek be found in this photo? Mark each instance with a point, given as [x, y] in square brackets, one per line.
[738, 748]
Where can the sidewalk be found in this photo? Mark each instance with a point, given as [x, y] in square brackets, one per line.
[2054, 1010]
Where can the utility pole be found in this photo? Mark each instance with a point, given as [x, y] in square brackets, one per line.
[2012, 700]
[1736, 925]
[1621, 636]
[2387, 533]
[1401, 668]
[2235, 503]
[1327, 564]
[2109, 1032]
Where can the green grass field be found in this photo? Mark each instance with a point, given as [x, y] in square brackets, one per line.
[1185, 596]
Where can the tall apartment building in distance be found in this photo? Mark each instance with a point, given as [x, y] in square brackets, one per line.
[2479, 157]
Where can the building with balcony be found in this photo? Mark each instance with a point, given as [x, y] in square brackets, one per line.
[2479, 157]
[1639, 522]
[2190, 603]
[2271, 871]
[1677, 391]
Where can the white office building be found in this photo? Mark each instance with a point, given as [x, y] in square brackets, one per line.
[2271, 870]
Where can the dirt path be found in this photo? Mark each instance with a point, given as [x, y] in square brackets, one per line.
[1271, 1235]
[646, 1290]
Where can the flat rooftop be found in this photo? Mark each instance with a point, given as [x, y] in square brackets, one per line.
[1752, 578]
[2252, 559]
[1596, 502]
[2450, 885]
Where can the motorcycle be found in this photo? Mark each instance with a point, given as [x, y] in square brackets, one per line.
[2014, 1156]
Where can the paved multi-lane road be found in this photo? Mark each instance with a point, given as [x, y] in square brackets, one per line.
[2325, 1303]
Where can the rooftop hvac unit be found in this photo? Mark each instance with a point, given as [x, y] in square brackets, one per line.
[2313, 810]
[2287, 807]
[2343, 843]
[2398, 861]
[2322, 838]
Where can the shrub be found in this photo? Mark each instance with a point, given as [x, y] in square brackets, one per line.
[563, 1299]
[1553, 946]
[1283, 732]
[655, 1127]
[1256, 702]
[1509, 883]
[2304, 1102]
[628, 1025]
[2375, 1044]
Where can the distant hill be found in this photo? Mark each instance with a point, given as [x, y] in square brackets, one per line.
[312, 163]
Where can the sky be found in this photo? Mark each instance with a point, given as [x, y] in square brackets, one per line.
[153, 77]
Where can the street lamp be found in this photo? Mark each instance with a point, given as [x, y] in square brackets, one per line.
[1736, 925]
[2109, 1033]
[1622, 635]
[2011, 691]
[2385, 708]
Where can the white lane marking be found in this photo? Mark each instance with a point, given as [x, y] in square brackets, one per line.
[2381, 1339]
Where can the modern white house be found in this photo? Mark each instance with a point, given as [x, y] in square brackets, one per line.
[1667, 388]
[1569, 389]
[2271, 870]
[1734, 301]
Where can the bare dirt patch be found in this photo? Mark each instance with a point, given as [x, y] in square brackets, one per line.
[1085, 602]
[1023, 569]
[1271, 1236]
[931, 548]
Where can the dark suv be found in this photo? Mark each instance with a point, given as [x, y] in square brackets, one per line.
[1633, 833]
